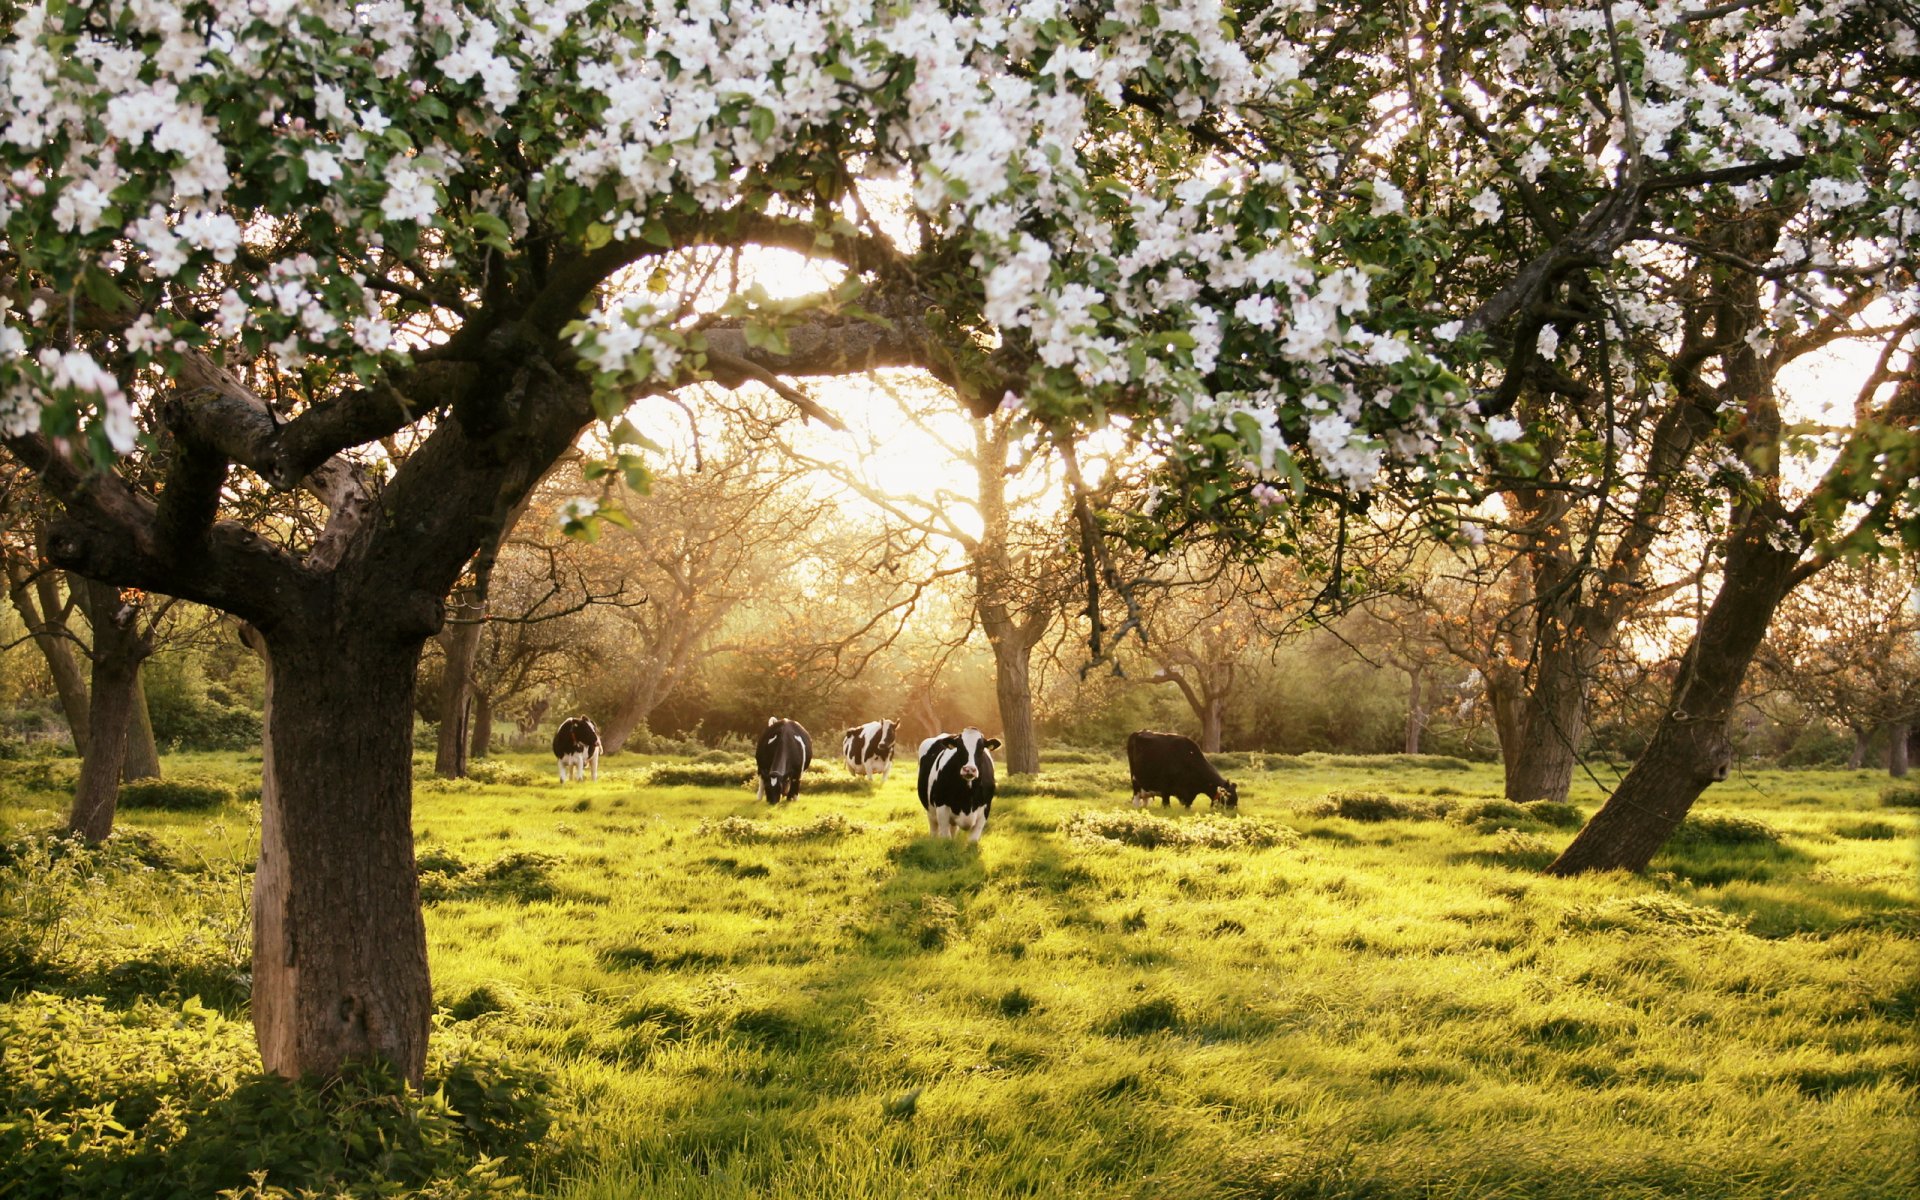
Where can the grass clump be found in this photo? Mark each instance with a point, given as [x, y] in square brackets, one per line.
[747, 831]
[714, 775]
[1654, 913]
[189, 793]
[1157, 1015]
[1373, 806]
[1900, 795]
[1555, 814]
[1724, 829]
[1129, 828]
[495, 773]
[1868, 831]
[165, 1100]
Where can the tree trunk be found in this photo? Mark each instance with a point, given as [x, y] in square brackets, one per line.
[1861, 737]
[1691, 748]
[1013, 687]
[41, 618]
[1897, 735]
[1416, 709]
[481, 741]
[339, 944]
[1213, 719]
[142, 760]
[117, 651]
[1504, 697]
[461, 642]
[642, 697]
[1552, 724]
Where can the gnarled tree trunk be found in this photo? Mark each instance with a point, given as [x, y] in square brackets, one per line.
[142, 760]
[1013, 688]
[1416, 709]
[460, 641]
[1552, 724]
[1898, 735]
[480, 744]
[37, 599]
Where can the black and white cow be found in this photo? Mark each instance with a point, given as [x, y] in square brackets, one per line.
[782, 754]
[577, 745]
[869, 749]
[956, 782]
[1169, 765]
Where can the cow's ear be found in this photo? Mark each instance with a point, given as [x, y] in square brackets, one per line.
[991, 743]
[773, 720]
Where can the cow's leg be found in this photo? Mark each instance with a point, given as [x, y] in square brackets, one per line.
[886, 769]
[1186, 802]
[560, 764]
[759, 787]
[979, 827]
[943, 822]
[1140, 799]
[933, 824]
[595, 762]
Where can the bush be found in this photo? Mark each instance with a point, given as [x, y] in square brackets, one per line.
[1491, 814]
[744, 830]
[1373, 806]
[1127, 827]
[189, 793]
[1556, 814]
[1901, 795]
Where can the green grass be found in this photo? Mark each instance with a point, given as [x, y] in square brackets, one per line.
[732, 1000]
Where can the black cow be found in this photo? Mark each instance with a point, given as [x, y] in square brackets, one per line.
[956, 782]
[783, 753]
[869, 748]
[577, 745]
[1169, 765]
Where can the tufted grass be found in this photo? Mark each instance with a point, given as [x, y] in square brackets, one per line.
[732, 1000]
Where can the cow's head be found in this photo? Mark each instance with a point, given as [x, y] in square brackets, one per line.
[976, 751]
[1227, 795]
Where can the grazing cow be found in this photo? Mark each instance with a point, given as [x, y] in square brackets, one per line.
[1169, 765]
[956, 782]
[869, 749]
[783, 753]
[577, 745]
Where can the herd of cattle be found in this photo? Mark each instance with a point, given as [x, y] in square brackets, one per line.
[956, 769]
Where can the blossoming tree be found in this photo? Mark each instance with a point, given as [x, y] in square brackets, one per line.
[374, 252]
[396, 255]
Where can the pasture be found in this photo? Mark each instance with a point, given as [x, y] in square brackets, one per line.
[1360, 986]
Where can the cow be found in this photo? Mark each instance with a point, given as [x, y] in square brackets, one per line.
[956, 782]
[576, 744]
[1169, 765]
[782, 755]
[869, 749]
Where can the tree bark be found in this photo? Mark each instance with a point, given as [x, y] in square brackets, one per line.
[1213, 721]
[480, 744]
[1691, 748]
[1505, 698]
[142, 760]
[1897, 736]
[117, 651]
[642, 696]
[339, 943]
[41, 617]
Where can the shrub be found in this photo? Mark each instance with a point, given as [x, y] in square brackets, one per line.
[45, 886]
[730, 757]
[189, 793]
[745, 830]
[1901, 795]
[1373, 806]
[1724, 829]
[1127, 827]
[1654, 913]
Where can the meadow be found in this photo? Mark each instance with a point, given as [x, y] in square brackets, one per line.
[653, 985]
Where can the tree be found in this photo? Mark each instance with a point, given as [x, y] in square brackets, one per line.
[1847, 645]
[309, 235]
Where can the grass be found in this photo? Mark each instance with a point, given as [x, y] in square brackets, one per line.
[732, 1000]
